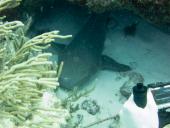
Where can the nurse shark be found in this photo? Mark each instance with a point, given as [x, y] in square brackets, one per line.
[83, 56]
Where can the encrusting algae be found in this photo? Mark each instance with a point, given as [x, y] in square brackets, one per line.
[27, 77]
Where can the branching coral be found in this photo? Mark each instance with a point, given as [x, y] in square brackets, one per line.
[37, 44]
[6, 28]
[22, 84]
[22, 87]
[5, 4]
[27, 79]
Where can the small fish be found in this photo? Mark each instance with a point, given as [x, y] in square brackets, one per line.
[130, 30]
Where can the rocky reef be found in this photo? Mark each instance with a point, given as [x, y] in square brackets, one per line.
[156, 12]
[98, 5]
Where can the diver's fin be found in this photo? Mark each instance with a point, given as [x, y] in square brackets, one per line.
[107, 63]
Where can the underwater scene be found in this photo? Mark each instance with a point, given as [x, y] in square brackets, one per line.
[84, 64]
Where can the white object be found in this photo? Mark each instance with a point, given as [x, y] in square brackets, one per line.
[132, 116]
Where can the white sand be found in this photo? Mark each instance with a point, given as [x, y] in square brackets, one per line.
[147, 53]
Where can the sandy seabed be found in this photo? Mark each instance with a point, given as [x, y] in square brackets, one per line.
[147, 53]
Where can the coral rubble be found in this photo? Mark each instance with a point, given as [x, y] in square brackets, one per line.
[90, 106]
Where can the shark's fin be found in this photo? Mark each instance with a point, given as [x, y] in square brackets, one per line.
[107, 63]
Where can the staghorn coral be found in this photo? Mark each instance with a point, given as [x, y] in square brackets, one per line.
[22, 87]
[37, 44]
[6, 4]
[6, 28]
[27, 79]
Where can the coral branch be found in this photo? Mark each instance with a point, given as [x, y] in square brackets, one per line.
[37, 43]
[9, 26]
[27, 77]
[6, 4]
